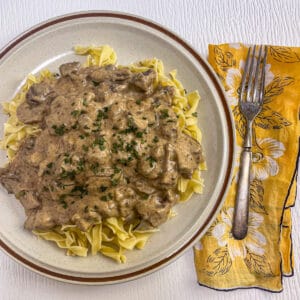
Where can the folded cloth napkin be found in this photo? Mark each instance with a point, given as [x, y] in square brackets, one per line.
[266, 254]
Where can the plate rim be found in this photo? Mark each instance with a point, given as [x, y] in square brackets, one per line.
[231, 146]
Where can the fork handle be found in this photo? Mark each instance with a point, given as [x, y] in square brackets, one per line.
[240, 222]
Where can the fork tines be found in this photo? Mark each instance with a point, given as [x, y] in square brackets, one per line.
[253, 80]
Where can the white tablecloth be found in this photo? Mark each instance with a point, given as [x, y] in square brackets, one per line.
[200, 22]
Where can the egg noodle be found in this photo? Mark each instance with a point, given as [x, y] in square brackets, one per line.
[112, 236]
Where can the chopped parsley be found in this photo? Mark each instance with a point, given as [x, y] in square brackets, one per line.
[102, 114]
[144, 196]
[79, 191]
[138, 102]
[21, 194]
[99, 141]
[155, 139]
[170, 121]
[151, 160]
[116, 170]
[84, 102]
[50, 165]
[131, 127]
[131, 149]
[103, 198]
[95, 167]
[59, 130]
[75, 126]
[62, 201]
[164, 114]
[116, 147]
[67, 174]
[114, 182]
[103, 188]
[139, 134]
[122, 161]
[76, 113]
[68, 159]
[125, 161]
[85, 148]
[80, 165]
[195, 114]
[64, 204]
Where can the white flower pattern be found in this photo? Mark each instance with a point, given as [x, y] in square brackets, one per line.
[264, 159]
[233, 81]
[199, 245]
[235, 45]
[254, 241]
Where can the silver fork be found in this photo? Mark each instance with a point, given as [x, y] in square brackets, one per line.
[250, 102]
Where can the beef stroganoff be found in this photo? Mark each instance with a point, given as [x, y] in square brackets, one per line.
[100, 153]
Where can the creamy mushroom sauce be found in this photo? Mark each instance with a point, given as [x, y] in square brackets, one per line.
[109, 146]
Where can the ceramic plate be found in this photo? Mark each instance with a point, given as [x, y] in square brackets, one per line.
[50, 44]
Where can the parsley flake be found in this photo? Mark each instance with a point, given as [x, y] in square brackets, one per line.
[59, 130]
[164, 113]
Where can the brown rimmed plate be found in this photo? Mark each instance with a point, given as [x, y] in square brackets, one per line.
[48, 45]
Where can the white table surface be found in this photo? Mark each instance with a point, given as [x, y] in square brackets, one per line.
[200, 23]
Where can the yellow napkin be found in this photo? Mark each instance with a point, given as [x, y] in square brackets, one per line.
[266, 254]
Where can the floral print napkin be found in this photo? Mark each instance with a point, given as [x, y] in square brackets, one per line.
[266, 254]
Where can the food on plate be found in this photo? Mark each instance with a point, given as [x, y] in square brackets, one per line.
[99, 153]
